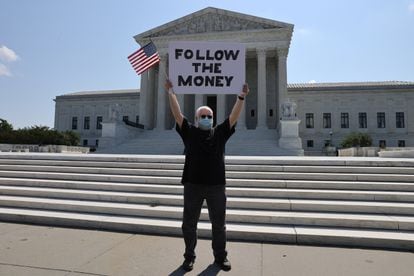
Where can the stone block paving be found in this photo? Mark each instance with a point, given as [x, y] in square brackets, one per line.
[43, 251]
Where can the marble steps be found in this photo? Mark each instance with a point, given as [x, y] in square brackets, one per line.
[253, 192]
[303, 235]
[230, 160]
[149, 142]
[243, 142]
[146, 183]
[239, 202]
[176, 161]
[231, 167]
[293, 188]
[333, 201]
[131, 175]
[298, 218]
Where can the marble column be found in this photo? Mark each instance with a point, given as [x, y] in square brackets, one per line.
[221, 108]
[261, 88]
[180, 99]
[162, 95]
[143, 100]
[281, 79]
[198, 101]
[241, 122]
[151, 97]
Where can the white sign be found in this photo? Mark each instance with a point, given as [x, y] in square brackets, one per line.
[207, 67]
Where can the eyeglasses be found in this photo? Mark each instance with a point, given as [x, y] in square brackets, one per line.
[206, 116]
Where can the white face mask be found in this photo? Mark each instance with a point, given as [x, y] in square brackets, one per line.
[205, 124]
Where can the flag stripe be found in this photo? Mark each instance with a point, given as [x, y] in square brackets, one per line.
[144, 58]
[136, 59]
[147, 67]
[137, 56]
[148, 61]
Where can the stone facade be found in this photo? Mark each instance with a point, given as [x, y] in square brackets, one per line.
[315, 99]
[74, 110]
[267, 45]
[291, 117]
[370, 107]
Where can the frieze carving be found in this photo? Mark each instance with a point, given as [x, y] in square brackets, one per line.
[208, 23]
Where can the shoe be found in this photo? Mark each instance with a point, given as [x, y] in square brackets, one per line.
[188, 265]
[224, 264]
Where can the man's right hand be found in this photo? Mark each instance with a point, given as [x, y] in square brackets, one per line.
[174, 105]
[168, 85]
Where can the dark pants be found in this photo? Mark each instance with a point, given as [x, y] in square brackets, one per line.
[194, 196]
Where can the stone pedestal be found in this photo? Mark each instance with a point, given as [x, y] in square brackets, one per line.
[289, 127]
[116, 132]
[289, 135]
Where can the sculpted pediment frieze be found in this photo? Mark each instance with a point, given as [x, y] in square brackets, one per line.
[209, 23]
[212, 20]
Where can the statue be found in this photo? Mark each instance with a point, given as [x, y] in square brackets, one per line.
[114, 113]
[289, 110]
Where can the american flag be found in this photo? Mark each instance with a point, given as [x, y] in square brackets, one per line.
[144, 58]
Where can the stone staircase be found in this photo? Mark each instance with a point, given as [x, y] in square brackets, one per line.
[356, 202]
[242, 143]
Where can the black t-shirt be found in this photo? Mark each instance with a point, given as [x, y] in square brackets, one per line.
[204, 153]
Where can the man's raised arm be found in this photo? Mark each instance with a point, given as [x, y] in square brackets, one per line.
[174, 105]
[237, 108]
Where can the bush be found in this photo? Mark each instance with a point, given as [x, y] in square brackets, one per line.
[356, 139]
[38, 135]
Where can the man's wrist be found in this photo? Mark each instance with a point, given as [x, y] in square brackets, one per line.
[240, 97]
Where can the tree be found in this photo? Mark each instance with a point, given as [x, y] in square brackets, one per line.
[38, 135]
[357, 139]
[71, 138]
[5, 126]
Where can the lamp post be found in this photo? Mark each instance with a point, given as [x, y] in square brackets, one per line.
[330, 149]
[330, 138]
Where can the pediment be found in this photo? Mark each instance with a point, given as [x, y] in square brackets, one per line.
[211, 20]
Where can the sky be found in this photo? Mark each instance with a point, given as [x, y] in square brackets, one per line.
[54, 47]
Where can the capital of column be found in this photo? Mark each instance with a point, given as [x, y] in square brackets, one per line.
[282, 52]
[261, 53]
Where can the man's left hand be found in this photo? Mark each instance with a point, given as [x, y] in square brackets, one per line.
[245, 90]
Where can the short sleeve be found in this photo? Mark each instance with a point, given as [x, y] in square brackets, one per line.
[226, 130]
[184, 130]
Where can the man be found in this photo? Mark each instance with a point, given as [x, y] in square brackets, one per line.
[204, 174]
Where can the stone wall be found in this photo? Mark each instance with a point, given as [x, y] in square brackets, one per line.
[354, 101]
[46, 148]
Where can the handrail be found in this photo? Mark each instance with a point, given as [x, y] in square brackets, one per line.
[133, 124]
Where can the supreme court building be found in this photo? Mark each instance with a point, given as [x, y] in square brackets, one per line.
[278, 119]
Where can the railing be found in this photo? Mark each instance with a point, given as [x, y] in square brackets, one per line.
[133, 124]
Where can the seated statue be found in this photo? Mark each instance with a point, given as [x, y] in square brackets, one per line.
[114, 113]
[289, 110]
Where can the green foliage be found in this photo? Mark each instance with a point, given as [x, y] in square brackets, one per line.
[38, 135]
[357, 139]
[5, 126]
